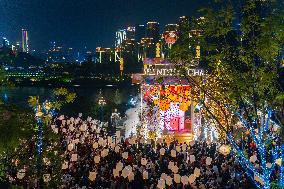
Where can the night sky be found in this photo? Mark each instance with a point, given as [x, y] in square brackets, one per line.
[80, 23]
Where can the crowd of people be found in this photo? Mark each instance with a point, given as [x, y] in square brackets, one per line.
[93, 158]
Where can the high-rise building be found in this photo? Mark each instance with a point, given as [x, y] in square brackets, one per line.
[120, 36]
[5, 42]
[146, 49]
[183, 24]
[25, 41]
[130, 32]
[171, 27]
[152, 31]
[104, 55]
[140, 32]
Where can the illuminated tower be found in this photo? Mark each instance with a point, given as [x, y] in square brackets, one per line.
[130, 32]
[120, 37]
[183, 23]
[25, 41]
[140, 32]
[152, 31]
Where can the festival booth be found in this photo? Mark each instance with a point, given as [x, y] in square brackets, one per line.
[167, 107]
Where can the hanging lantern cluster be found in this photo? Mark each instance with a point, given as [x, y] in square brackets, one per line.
[163, 96]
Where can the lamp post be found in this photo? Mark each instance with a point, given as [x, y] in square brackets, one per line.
[101, 103]
[115, 117]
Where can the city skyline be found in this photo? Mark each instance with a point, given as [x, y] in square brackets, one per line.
[74, 30]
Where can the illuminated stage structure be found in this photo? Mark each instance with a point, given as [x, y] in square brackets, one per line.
[167, 106]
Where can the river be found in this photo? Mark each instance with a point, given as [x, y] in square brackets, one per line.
[85, 102]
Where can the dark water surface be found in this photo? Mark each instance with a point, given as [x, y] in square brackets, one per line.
[87, 98]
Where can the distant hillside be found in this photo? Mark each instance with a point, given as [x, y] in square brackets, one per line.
[8, 57]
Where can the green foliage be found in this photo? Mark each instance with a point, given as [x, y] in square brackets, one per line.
[15, 123]
[33, 101]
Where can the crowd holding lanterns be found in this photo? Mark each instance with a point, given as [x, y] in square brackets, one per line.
[92, 158]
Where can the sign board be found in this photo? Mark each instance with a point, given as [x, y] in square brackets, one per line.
[169, 70]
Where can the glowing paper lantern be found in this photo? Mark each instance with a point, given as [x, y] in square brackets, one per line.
[83, 127]
[74, 157]
[162, 151]
[184, 146]
[184, 180]
[258, 179]
[70, 147]
[196, 172]
[173, 153]
[117, 148]
[115, 173]
[126, 171]
[71, 128]
[117, 133]
[65, 165]
[278, 161]
[130, 176]
[175, 169]
[21, 173]
[109, 139]
[208, 161]
[164, 176]
[225, 150]
[145, 175]
[253, 158]
[104, 152]
[143, 161]
[55, 130]
[92, 176]
[46, 177]
[161, 183]
[124, 155]
[191, 179]
[177, 178]
[169, 180]
[97, 159]
[119, 166]
[178, 148]
[171, 164]
[269, 165]
[95, 145]
[112, 145]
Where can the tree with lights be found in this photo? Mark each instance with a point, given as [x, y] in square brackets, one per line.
[241, 91]
[36, 159]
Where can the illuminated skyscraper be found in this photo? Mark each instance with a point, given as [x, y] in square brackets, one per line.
[25, 41]
[6, 42]
[120, 36]
[183, 23]
[171, 27]
[140, 32]
[152, 31]
[104, 55]
[130, 32]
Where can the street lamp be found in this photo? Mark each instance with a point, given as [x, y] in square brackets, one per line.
[115, 117]
[101, 103]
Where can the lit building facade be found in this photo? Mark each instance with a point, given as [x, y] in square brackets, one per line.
[153, 31]
[140, 32]
[104, 55]
[25, 41]
[120, 36]
[130, 32]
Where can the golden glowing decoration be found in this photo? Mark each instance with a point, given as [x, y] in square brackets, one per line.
[225, 150]
[163, 96]
[164, 105]
[152, 135]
